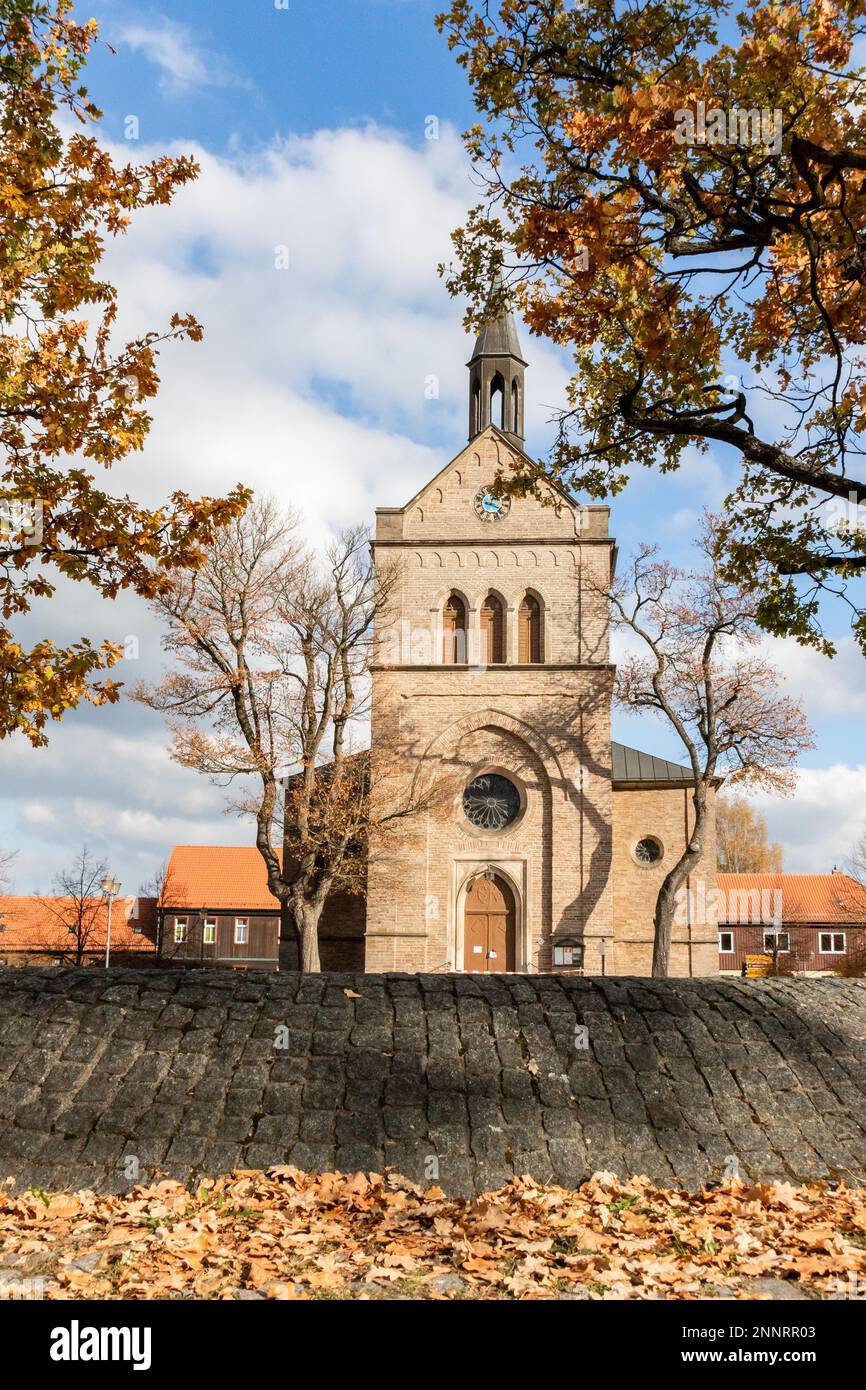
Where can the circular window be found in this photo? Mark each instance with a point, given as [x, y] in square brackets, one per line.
[648, 851]
[491, 802]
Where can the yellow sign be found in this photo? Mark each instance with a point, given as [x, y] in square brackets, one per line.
[758, 966]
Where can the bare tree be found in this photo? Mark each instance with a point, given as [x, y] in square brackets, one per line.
[7, 860]
[696, 671]
[271, 649]
[161, 887]
[77, 908]
[857, 859]
[742, 839]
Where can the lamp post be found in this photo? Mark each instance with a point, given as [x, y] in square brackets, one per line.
[111, 888]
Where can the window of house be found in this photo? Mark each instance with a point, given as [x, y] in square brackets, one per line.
[209, 933]
[726, 942]
[242, 931]
[180, 926]
[831, 943]
[776, 941]
[136, 930]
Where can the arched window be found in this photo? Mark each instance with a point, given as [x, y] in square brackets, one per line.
[530, 644]
[454, 632]
[515, 408]
[476, 408]
[492, 632]
[497, 401]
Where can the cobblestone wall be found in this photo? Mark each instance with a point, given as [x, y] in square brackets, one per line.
[108, 1077]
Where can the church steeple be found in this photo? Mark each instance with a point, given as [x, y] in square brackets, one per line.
[496, 372]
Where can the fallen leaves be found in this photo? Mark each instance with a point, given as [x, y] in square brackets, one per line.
[286, 1234]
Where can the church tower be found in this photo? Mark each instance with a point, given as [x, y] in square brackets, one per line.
[491, 694]
[496, 374]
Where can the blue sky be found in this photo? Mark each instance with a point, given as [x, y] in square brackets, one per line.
[309, 123]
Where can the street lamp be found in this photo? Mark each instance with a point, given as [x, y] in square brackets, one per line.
[111, 888]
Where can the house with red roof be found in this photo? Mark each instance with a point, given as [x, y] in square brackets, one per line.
[215, 909]
[43, 930]
[810, 923]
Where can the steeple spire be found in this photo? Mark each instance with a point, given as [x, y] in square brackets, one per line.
[496, 371]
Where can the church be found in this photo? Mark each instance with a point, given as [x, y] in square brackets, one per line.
[538, 843]
[511, 834]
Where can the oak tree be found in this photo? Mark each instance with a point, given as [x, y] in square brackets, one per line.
[72, 401]
[677, 191]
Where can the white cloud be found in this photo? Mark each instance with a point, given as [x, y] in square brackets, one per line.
[170, 47]
[820, 823]
[38, 813]
[309, 385]
[825, 685]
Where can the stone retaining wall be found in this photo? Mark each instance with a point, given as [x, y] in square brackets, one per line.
[109, 1077]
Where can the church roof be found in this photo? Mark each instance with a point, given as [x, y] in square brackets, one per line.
[468, 448]
[630, 765]
[498, 336]
[499, 339]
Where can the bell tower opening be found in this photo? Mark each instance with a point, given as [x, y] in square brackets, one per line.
[496, 372]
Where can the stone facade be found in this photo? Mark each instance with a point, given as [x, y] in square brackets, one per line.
[665, 812]
[544, 726]
[569, 856]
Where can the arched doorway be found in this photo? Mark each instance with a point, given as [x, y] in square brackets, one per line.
[489, 926]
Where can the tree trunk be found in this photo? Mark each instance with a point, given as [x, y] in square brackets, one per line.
[307, 917]
[666, 902]
[663, 922]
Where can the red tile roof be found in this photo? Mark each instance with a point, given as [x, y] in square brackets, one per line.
[40, 924]
[217, 876]
[804, 898]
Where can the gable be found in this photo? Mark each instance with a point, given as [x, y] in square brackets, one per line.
[444, 510]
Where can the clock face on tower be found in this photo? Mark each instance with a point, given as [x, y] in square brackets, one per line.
[490, 507]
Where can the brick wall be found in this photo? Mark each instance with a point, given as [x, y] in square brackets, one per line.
[436, 727]
[668, 815]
